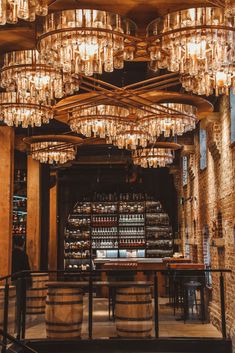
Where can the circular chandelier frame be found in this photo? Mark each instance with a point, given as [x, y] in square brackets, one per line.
[53, 148]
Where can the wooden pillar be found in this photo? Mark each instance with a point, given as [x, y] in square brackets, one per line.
[33, 213]
[53, 244]
[6, 197]
[45, 214]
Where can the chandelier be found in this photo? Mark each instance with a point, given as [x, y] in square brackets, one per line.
[86, 41]
[176, 119]
[26, 112]
[159, 155]
[25, 72]
[220, 83]
[98, 121]
[196, 42]
[12, 10]
[53, 149]
[131, 137]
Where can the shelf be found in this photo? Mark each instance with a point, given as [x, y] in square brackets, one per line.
[131, 225]
[104, 248]
[104, 226]
[132, 247]
[108, 214]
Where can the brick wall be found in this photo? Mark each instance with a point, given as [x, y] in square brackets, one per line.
[211, 206]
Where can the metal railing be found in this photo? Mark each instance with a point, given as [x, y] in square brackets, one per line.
[90, 278]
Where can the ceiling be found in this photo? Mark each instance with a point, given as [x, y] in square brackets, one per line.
[23, 36]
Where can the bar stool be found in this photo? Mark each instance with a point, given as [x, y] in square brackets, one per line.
[193, 304]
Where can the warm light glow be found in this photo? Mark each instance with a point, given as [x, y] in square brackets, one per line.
[98, 121]
[198, 43]
[175, 120]
[153, 157]
[13, 10]
[25, 72]
[16, 111]
[86, 41]
[52, 152]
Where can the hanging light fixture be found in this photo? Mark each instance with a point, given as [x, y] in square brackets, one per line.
[26, 112]
[86, 41]
[25, 72]
[131, 137]
[175, 119]
[13, 10]
[98, 121]
[160, 155]
[53, 149]
[197, 42]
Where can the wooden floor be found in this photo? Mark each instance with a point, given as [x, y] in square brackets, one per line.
[169, 325]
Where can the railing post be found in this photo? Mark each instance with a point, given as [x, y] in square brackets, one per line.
[5, 317]
[156, 321]
[222, 306]
[23, 306]
[90, 305]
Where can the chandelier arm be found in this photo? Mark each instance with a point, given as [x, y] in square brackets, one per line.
[150, 80]
[160, 88]
[155, 84]
[148, 104]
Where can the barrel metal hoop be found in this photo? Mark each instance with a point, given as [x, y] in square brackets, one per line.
[65, 303]
[63, 323]
[147, 318]
[136, 302]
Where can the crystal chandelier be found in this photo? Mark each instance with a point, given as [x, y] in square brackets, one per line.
[98, 121]
[26, 112]
[161, 154]
[53, 149]
[177, 119]
[131, 137]
[206, 84]
[153, 157]
[25, 72]
[86, 41]
[13, 10]
[197, 42]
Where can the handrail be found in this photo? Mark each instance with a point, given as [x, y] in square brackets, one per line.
[17, 342]
[85, 273]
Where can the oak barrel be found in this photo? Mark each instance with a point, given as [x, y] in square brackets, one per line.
[133, 312]
[64, 312]
[11, 308]
[36, 295]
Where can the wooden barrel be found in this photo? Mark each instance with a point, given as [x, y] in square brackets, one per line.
[64, 312]
[11, 308]
[36, 295]
[133, 312]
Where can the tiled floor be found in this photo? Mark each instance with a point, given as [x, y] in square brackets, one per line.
[104, 328]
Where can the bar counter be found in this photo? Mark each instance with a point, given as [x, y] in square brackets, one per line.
[140, 265]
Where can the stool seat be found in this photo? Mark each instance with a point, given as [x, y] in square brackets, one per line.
[193, 284]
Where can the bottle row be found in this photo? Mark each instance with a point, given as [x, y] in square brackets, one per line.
[77, 255]
[19, 217]
[104, 244]
[157, 219]
[131, 231]
[19, 229]
[101, 208]
[19, 203]
[20, 175]
[135, 219]
[81, 267]
[76, 222]
[73, 235]
[136, 242]
[104, 231]
[125, 207]
[79, 245]
[104, 221]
